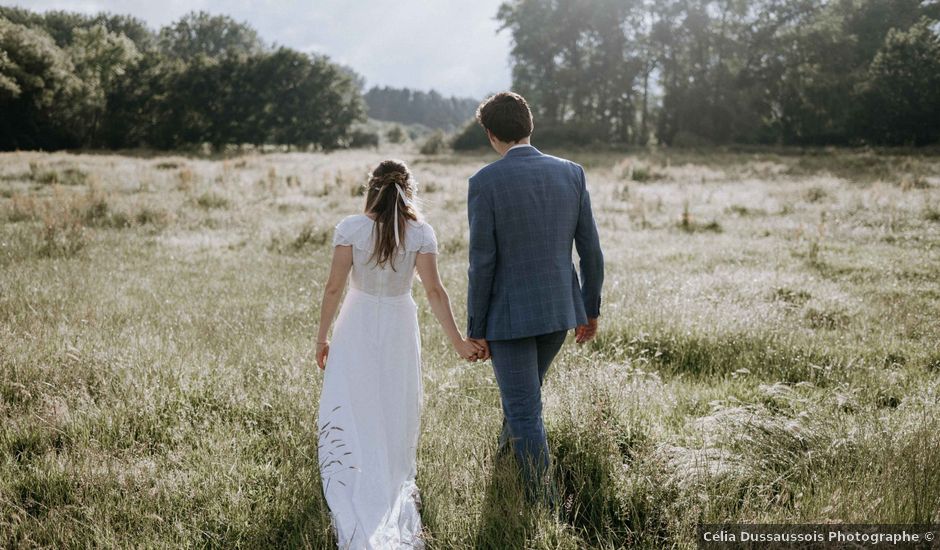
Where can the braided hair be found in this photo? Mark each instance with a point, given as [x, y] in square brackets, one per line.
[382, 197]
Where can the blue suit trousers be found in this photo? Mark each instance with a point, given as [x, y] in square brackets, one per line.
[520, 366]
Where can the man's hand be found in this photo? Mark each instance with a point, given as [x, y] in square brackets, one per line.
[486, 348]
[586, 333]
[469, 349]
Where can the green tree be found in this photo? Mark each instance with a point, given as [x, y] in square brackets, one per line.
[100, 58]
[901, 96]
[37, 82]
[214, 36]
[70, 80]
[723, 71]
[62, 25]
[134, 103]
[581, 66]
[307, 100]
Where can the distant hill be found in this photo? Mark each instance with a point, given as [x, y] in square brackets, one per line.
[416, 107]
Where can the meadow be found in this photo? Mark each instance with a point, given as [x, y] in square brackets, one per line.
[769, 350]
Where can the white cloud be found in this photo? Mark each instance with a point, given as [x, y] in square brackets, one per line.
[448, 45]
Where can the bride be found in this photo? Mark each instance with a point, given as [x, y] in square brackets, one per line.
[370, 403]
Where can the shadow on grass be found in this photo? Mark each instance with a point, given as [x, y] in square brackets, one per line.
[607, 494]
[300, 517]
[507, 520]
[595, 507]
[306, 526]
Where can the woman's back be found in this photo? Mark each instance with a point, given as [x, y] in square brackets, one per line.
[370, 403]
[358, 231]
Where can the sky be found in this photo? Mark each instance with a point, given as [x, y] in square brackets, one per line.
[448, 45]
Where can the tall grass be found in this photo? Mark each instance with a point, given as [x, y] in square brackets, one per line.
[157, 385]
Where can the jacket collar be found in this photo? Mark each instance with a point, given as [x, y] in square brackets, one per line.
[520, 152]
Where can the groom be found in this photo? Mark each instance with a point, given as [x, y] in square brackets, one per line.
[525, 211]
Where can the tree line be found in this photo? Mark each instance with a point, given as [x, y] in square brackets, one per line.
[408, 106]
[801, 72]
[69, 80]
[680, 72]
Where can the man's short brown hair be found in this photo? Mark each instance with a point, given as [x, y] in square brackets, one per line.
[507, 116]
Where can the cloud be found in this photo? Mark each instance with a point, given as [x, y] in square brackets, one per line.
[449, 45]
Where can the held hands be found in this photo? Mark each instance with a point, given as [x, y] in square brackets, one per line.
[468, 348]
[472, 349]
[586, 333]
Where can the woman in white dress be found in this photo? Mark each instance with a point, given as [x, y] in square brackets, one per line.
[370, 403]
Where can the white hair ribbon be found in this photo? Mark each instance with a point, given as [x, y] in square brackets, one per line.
[406, 201]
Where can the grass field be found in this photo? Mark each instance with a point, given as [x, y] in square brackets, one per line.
[769, 351]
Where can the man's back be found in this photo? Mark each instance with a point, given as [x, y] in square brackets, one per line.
[526, 210]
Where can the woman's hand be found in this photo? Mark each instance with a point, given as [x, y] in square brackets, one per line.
[484, 346]
[323, 351]
[469, 350]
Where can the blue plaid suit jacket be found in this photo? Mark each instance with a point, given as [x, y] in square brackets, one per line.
[525, 212]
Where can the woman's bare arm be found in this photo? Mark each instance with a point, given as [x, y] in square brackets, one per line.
[440, 305]
[332, 292]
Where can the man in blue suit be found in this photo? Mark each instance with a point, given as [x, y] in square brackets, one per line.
[526, 210]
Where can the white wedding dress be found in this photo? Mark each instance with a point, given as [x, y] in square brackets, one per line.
[370, 404]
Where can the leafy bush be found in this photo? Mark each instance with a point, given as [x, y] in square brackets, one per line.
[311, 235]
[68, 176]
[932, 213]
[690, 225]
[62, 233]
[471, 137]
[644, 173]
[570, 134]
[434, 145]
[150, 216]
[360, 139]
[395, 134]
[308, 236]
[815, 194]
[210, 199]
